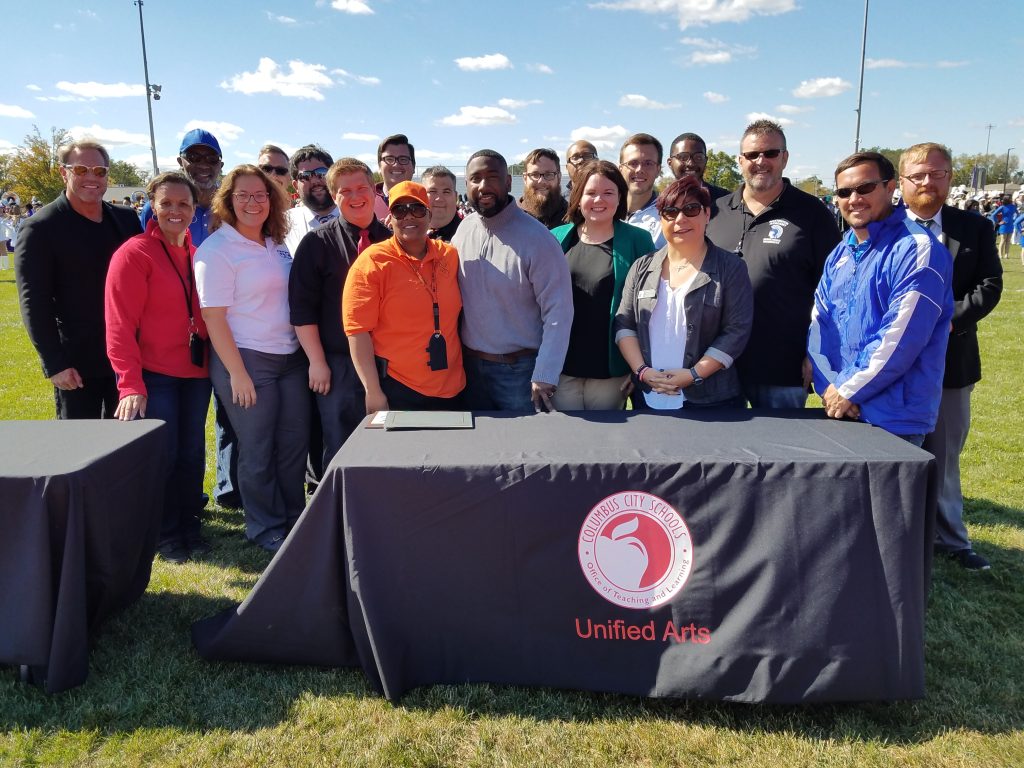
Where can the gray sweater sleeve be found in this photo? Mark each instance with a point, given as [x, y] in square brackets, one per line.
[552, 285]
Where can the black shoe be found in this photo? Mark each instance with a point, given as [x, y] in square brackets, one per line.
[199, 546]
[272, 545]
[205, 499]
[229, 501]
[970, 560]
[173, 553]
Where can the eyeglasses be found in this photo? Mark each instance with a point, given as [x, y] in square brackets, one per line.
[636, 165]
[768, 154]
[920, 178]
[401, 211]
[276, 170]
[98, 171]
[685, 157]
[402, 160]
[582, 157]
[245, 197]
[201, 158]
[320, 173]
[861, 189]
[689, 210]
[537, 175]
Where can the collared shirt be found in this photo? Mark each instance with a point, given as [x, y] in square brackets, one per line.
[649, 219]
[302, 220]
[198, 230]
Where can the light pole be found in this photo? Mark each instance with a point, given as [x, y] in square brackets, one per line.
[1006, 176]
[860, 88]
[152, 91]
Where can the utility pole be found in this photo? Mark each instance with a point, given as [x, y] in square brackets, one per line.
[152, 91]
[860, 88]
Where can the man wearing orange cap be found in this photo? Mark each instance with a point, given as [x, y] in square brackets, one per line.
[400, 310]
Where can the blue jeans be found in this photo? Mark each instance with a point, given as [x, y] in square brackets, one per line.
[273, 439]
[225, 489]
[774, 396]
[183, 405]
[499, 386]
[343, 407]
[917, 440]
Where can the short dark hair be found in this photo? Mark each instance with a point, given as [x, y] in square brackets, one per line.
[439, 170]
[170, 177]
[271, 149]
[885, 167]
[536, 154]
[764, 127]
[641, 139]
[689, 137]
[398, 138]
[309, 152]
[681, 189]
[488, 153]
[596, 168]
[81, 144]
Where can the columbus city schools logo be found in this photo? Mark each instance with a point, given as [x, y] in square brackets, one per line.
[635, 550]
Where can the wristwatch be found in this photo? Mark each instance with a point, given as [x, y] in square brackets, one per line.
[697, 378]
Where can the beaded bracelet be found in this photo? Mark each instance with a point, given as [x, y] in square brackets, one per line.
[640, 372]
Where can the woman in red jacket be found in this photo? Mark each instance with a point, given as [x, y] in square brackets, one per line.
[156, 342]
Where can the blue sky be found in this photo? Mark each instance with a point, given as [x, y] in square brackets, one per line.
[458, 76]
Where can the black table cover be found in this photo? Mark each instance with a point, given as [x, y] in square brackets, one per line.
[80, 506]
[785, 558]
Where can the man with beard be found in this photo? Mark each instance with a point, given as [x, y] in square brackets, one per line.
[60, 265]
[309, 167]
[688, 156]
[784, 235]
[640, 164]
[516, 296]
[926, 171]
[201, 161]
[396, 161]
[444, 203]
[542, 188]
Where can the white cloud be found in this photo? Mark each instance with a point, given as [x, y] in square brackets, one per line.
[885, 64]
[517, 103]
[110, 136]
[1016, 121]
[357, 7]
[543, 69]
[790, 109]
[302, 81]
[87, 13]
[699, 13]
[225, 132]
[604, 137]
[144, 160]
[783, 121]
[33, 87]
[715, 51]
[361, 79]
[821, 87]
[92, 90]
[6, 147]
[479, 116]
[287, 20]
[701, 58]
[951, 64]
[61, 98]
[715, 98]
[642, 102]
[360, 136]
[478, 63]
[11, 110]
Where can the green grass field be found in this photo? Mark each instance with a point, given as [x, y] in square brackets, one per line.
[150, 701]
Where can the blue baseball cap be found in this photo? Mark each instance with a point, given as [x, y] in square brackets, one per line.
[199, 136]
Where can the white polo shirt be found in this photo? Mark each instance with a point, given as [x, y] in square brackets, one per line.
[251, 280]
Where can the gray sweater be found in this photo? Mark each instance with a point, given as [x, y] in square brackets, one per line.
[516, 289]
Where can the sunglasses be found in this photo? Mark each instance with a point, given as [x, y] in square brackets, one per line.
[401, 211]
[199, 158]
[276, 170]
[80, 170]
[769, 154]
[582, 157]
[861, 189]
[689, 209]
[320, 173]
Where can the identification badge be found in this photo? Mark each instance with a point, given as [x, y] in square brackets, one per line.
[650, 293]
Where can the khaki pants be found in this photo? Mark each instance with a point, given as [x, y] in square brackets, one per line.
[579, 394]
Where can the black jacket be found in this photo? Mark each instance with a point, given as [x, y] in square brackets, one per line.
[60, 265]
[977, 286]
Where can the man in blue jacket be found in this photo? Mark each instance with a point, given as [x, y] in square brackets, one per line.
[882, 309]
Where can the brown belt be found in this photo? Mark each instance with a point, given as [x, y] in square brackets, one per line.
[508, 357]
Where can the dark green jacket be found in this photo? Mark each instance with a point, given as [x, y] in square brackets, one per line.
[628, 244]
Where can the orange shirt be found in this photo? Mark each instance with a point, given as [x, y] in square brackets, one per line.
[388, 295]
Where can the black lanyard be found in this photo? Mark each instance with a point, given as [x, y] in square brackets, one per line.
[431, 289]
[189, 290]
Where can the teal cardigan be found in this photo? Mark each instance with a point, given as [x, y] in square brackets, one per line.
[628, 244]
